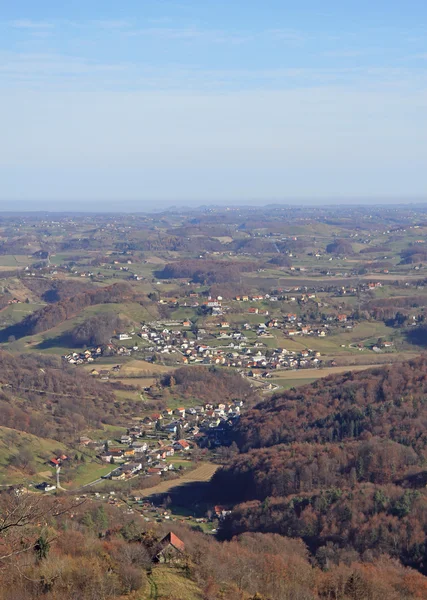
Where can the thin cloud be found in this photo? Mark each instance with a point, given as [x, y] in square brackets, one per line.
[191, 34]
[50, 67]
[194, 34]
[345, 53]
[29, 24]
[287, 35]
[112, 24]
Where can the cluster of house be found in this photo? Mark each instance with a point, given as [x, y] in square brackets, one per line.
[91, 354]
[57, 461]
[14, 301]
[279, 295]
[284, 359]
[146, 447]
[245, 357]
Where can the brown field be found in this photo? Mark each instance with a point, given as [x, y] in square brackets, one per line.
[134, 369]
[135, 381]
[139, 368]
[318, 373]
[224, 239]
[156, 260]
[202, 473]
[377, 361]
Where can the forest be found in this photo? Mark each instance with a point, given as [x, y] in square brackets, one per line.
[339, 463]
[388, 402]
[39, 396]
[207, 271]
[210, 385]
[91, 551]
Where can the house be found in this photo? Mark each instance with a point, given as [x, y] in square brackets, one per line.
[221, 512]
[140, 447]
[182, 445]
[342, 318]
[107, 457]
[117, 452]
[45, 487]
[154, 471]
[169, 549]
[170, 428]
[124, 336]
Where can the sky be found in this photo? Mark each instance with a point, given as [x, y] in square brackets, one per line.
[143, 104]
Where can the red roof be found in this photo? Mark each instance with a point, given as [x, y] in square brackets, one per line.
[174, 540]
[183, 443]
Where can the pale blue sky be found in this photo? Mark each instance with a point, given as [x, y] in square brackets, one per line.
[138, 104]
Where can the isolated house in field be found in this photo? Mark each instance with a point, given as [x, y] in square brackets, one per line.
[169, 549]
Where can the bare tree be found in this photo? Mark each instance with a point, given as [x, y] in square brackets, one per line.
[20, 512]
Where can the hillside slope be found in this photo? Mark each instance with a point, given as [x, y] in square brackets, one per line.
[340, 463]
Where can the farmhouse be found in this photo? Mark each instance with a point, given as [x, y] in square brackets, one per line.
[169, 549]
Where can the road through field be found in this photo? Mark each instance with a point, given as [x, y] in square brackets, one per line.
[202, 473]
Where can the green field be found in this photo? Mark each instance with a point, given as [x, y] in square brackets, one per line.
[88, 472]
[13, 442]
[15, 261]
[167, 582]
[52, 341]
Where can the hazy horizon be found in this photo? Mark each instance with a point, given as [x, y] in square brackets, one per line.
[116, 207]
[148, 106]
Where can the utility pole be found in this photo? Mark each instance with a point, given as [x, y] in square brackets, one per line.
[58, 485]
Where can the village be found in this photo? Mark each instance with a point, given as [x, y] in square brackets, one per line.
[159, 444]
[229, 342]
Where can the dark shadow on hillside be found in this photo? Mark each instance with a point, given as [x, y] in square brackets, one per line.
[17, 331]
[416, 481]
[192, 498]
[417, 336]
[187, 495]
[63, 341]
